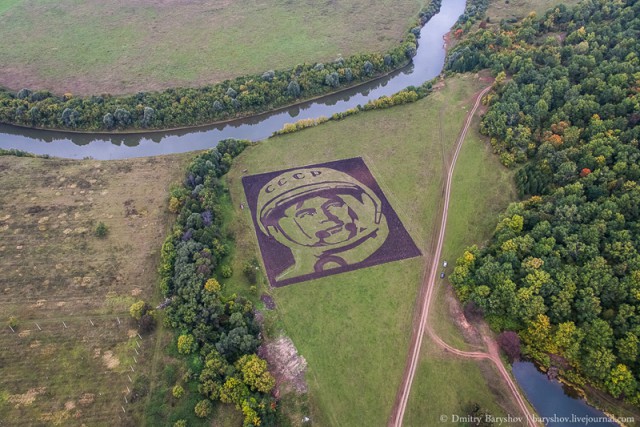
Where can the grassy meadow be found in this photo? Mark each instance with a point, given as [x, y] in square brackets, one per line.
[95, 47]
[75, 354]
[482, 188]
[354, 328]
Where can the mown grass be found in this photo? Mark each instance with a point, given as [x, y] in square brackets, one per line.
[354, 328]
[94, 47]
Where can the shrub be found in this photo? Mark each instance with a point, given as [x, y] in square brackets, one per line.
[140, 388]
[108, 121]
[70, 117]
[180, 423]
[177, 391]
[293, 89]
[255, 374]
[367, 68]
[226, 271]
[101, 230]
[268, 75]
[212, 285]
[203, 408]
[250, 271]
[510, 343]
[332, 79]
[138, 309]
[217, 106]
[122, 117]
[23, 93]
[149, 114]
[147, 323]
[13, 322]
[186, 344]
[174, 204]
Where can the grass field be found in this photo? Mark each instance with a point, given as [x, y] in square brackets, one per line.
[482, 188]
[95, 47]
[70, 358]
[353, 328]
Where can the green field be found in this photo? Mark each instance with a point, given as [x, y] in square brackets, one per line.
[482, 188]
[95, 47]
[354, 328]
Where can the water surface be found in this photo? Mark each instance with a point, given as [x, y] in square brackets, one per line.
[557, 406]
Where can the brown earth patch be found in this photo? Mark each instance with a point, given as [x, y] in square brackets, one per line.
[285, 364]
[110, 360]
[26, 399]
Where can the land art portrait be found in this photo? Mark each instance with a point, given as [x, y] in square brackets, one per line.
[323, 219]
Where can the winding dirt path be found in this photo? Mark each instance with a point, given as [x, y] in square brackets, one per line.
[424, 301]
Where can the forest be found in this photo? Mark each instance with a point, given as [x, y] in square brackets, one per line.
[563, 266]
[217, 333]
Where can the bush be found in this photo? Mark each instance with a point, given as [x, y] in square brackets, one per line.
[122, 117]
[250, 270]
[268, 75]
[203, 408]
[177, 391]
[226, 271]
[217, 106]
[101, 230]
[174, 204]
[70, 117]
[367, 68]
[23, 94]
[212, 285]
[13, 322]
[109, 121]
[140, 388]
[147, 323]
[180, 423]
[149, 114]
[332, 80]
[186, 344]
[138, 309]
[293, 89]
[509, 342]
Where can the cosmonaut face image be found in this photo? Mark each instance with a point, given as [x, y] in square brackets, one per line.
[327, 219]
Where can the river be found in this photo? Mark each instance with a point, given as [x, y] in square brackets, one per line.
[426, 65]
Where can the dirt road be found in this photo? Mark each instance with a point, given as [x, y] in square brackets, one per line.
[425, 297]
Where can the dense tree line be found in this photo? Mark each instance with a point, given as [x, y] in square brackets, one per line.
[217, 332]
[563, 266]
[181, 107]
